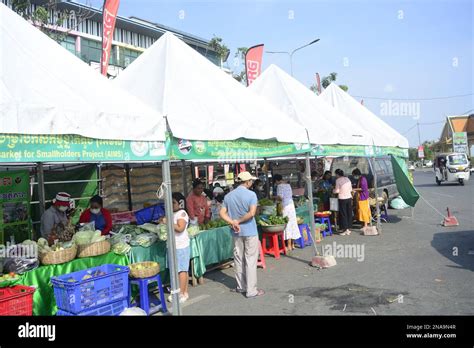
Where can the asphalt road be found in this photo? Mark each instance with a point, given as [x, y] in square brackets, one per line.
[415, 267]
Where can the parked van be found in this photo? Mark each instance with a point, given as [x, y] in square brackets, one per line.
[386, 185]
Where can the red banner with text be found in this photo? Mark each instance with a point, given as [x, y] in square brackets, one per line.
[253, 63]
[108, 25]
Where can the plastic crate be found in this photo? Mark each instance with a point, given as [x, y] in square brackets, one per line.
[114, 308]
[85, 294]
[149, 214]
[16, 300]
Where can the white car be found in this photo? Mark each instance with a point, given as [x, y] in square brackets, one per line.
[220, 179]
[411, 167]
[429, 164]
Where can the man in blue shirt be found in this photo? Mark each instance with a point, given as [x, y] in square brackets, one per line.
[239, 209]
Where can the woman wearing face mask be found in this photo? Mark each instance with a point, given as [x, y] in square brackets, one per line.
[362, 189]
[98, 214]
[56, 214]
[258, 189]
[196, 204]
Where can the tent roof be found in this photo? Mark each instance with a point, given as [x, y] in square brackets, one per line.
[44, 89]
[200, 100]
[325, 124]
[383, 134]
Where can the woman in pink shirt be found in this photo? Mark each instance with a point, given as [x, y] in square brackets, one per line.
[344, 194]
[197, 203]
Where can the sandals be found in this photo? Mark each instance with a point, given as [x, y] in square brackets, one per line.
[238, 291]
[347, 233]
[260, 292]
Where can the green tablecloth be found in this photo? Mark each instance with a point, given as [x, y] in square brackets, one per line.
[43, 299]
[208, 247]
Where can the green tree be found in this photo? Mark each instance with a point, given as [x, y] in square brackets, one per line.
[42, 19]
[217, 45]
[326, 81]
[240, 55]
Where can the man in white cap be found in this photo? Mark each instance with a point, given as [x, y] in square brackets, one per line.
[55, 214]
[239, 209]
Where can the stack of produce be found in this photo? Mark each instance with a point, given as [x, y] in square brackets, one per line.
[88, 237]
[272, 220]
[144, 239]
[212, 224]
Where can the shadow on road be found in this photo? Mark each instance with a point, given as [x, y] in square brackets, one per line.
[455, 246]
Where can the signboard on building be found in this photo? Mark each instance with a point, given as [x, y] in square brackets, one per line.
[15, 224]
[460, 142]
[421, 152]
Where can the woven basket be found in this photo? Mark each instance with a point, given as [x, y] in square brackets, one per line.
[94, 249]
[152, 269]
[58, 257]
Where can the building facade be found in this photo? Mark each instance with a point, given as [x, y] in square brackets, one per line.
[132, 36]
[457, 124]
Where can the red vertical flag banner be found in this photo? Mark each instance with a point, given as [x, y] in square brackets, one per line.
[253, 63]
[318, 83]
[108, 26]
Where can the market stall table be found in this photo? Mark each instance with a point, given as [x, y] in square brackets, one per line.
[44, 302]
[207, 248]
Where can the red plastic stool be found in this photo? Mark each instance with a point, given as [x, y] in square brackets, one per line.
[261, 259]
[274, 238]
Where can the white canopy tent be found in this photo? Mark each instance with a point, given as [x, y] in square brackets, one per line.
[325, 124]
[383, 134]
[201, 101]
[46, 90]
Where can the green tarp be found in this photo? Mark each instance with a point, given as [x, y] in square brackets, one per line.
[404, 186]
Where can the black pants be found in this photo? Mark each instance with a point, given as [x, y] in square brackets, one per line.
[345, 213]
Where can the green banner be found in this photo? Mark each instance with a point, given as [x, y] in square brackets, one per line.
[15, 206]
[235, 150]
[460, 143]
[357, 150]
[74, 148]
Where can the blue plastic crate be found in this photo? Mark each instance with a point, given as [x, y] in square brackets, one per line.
[85, 294]
[149, 214]
[111, 309]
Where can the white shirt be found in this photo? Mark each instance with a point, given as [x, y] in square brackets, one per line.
[286, 194]
[181, 238]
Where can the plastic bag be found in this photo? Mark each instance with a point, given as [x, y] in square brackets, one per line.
[145, 240]
[135, 311]
[90, 226]
[398, 203]
[19, 265]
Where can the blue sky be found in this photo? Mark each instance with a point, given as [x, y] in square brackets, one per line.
[386, 49]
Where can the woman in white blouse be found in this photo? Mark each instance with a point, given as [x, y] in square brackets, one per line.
[285, 195]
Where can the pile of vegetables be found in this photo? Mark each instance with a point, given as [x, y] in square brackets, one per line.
[121, 248]
[272, 220]
[212, 224]
[43, 246]
[265, 202]
[144, 239]
[88, 237]
[193, 230]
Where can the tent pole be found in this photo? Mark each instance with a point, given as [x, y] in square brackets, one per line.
[99, 181]
[171, 238]
[183, 174]
[129, 187]
[309, 186]
[41, 194]
[267, 182]
[377, 206]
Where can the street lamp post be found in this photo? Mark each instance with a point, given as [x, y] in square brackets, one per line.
[290, 54]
